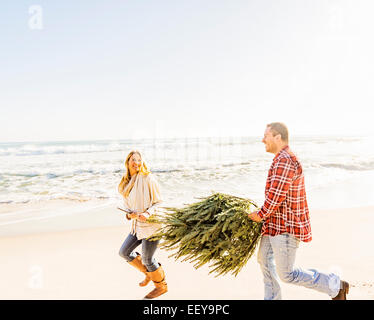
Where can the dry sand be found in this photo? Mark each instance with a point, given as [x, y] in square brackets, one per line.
[84, 264]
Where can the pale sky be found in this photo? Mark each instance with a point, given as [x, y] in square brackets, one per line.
[133, 69]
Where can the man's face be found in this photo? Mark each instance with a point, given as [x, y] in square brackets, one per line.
[270, 141]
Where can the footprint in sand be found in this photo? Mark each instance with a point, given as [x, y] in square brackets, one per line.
[362, 290]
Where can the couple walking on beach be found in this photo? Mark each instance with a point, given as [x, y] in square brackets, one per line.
[284, 214]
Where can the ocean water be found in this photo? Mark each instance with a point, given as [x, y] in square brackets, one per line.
[186, 168]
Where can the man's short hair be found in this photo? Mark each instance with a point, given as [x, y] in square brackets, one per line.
[279, 128]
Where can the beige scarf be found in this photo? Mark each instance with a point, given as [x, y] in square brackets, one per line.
[144, 196]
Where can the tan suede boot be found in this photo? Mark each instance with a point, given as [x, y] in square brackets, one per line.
[158, 278]
[138, 264]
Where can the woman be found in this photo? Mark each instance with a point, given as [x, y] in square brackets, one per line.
[141, 196]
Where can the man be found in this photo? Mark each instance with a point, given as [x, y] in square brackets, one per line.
[286, 222]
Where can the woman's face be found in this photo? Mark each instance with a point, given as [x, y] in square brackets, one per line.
[135, 163]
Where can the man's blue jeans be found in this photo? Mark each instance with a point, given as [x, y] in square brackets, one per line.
[276, 256]
[148, 250]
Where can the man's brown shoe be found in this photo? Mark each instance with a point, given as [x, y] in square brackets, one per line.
[342, 295]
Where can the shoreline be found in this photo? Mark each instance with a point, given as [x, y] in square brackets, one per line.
[84, 264]
[58, 215]
[63, 215]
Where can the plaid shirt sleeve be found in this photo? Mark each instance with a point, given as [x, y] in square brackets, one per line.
[280, 180]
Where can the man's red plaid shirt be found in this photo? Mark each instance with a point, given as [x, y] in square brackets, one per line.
[285, 208]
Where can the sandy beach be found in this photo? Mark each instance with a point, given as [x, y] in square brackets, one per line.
[201, 97]
[84, 264]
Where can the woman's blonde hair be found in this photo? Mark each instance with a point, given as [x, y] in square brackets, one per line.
[124, 188]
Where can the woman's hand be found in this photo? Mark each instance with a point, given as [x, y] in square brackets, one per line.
[132, 215]
[142, 218]
[138, 216]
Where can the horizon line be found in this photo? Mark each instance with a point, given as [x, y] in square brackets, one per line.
[188, 137]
